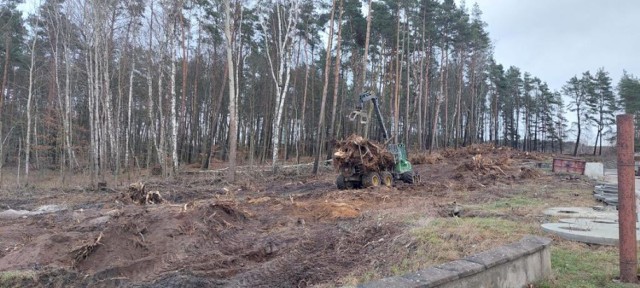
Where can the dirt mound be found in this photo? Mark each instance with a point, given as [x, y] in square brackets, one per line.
[314, 211]
[355, 151]
[225, 214]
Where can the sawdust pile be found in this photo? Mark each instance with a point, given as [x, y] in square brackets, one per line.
[355, 151]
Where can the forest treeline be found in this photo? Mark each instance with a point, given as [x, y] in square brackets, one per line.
[107, 85]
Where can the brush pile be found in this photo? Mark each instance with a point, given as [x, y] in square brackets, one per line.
[355, 151]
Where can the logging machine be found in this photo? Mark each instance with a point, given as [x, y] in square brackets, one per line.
[356, 176]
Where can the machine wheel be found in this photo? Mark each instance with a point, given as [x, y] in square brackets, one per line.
[341, 183]
[407, 177]
[371, 179]
[387, 178]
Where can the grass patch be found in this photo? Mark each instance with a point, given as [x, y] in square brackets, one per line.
[15, 278]
[583, 267]
[506, 220]
[519, 201]
[449, 239]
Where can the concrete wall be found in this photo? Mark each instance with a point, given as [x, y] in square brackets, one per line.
[513, 265]
[594, 170]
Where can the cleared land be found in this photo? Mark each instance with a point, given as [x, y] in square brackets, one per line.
[291, 229]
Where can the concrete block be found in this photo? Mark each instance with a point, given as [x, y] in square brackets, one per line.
[431, 277]
[513, 265]
[488, 258]
[399, 282]
[531, 244]
[462, 267]
[594, 170]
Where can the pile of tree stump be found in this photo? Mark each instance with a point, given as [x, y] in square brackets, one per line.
[139, 196]
[355, 150]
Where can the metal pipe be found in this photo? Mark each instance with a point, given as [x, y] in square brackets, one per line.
[627, 202]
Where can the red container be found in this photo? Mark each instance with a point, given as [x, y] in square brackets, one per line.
[575, 166]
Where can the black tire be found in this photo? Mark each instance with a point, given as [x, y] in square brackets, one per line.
[387, 178]
[340, 183]
[371, 179]
[407, 177]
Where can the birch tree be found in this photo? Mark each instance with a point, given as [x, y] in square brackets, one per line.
[279, 31]
[27, 148]
[230, 40]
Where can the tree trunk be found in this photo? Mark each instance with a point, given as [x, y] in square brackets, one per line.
[426, 94]
[233, 121]
[438, 102]
[183, 105]
[458, 130]
[3, 86]
[327, 65]
[303, 130]
[575, 148]
[27, 150]
[365, 60]
[336, 82]
[281, 74]
[129, 107]
[398, 77]
[174, 116]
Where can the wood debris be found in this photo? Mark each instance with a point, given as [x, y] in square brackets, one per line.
[355, 151]
[138, 195]
[83, 252]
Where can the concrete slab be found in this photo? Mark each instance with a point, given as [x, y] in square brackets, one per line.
[594, 170]
[580, 212]
[593, 231]
[592, 222]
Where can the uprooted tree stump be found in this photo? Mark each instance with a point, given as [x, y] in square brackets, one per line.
[355, 150]
[84, 251]
[138, 195]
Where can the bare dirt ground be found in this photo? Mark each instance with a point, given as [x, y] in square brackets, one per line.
[283, 230]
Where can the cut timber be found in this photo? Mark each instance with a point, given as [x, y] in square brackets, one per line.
[355, 151]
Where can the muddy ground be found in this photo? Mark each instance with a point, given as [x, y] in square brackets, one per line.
[283, 230]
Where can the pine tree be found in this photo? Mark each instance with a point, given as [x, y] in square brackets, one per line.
[601, 105]
[578, 91]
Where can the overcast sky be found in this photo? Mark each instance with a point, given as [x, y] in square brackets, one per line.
[557, 39]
